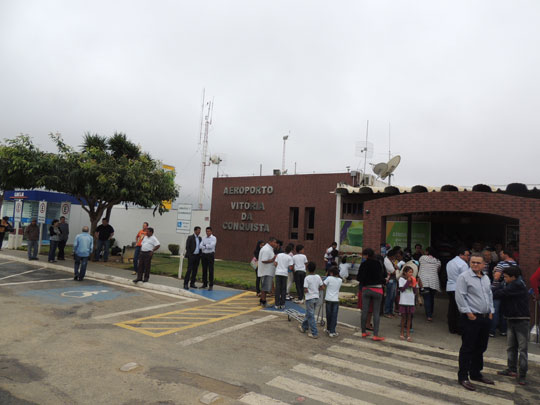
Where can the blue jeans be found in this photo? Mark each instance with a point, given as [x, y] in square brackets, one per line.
[136, 258]
[498, 321]
[390, 297]
[82, 262]
[429, 301]
[516, 345]
[102, 244]
[52, 249]
[32, 246]
[332, 308]
[309, 320]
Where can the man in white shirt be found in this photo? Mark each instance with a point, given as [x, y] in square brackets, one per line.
[266, 268]
[208, 251]
[454, 268]
[149, 245]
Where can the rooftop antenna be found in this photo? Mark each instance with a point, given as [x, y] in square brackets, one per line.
[204, 136]
[364, 149]
[283, 158]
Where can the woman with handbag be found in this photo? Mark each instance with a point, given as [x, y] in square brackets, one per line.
[428, 274]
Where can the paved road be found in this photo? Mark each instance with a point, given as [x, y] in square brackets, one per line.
[65, 342]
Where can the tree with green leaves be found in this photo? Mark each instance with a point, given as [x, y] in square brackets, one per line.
[21, 165]
[102, 173]
[106, 172]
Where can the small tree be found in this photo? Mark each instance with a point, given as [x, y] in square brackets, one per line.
[106, 172]
[21, 165]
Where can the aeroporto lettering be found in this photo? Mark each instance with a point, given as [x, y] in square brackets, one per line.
[245, 226]
[248, 190]
[241, 205]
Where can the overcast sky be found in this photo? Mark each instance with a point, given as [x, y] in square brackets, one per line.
[458, 82]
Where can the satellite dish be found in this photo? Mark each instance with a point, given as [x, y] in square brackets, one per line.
[215, 159]
[391, 166]
[380, 168]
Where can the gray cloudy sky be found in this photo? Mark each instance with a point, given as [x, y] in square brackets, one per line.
[457, 80]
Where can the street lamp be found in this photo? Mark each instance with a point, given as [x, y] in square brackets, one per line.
[283, 160]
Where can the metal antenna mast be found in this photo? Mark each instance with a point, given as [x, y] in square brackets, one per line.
[204, 153]
[283, 158]
[365, 155]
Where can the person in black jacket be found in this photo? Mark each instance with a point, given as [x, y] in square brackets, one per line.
[515, 308]
[193, 254]
[371, 278]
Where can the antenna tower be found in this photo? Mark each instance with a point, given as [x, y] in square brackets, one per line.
[205, 125]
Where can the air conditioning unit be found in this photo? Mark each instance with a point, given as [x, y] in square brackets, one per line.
[277, 172]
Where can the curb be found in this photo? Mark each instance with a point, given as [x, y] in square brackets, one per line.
[114, 279]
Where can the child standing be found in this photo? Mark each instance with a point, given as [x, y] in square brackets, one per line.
[407, 288]
[333, 284]
[300, 261]
[290, 275]
[312, 285]
[283, 263]
[344, 268]
[515, 308]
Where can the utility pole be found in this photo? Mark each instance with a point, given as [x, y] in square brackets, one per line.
[283, 159]
[205, 125]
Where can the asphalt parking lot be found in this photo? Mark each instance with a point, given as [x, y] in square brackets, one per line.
[63, 342]
[99, 342]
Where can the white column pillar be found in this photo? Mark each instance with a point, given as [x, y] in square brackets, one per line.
[338, 219]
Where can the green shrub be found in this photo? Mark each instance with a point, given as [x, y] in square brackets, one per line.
[174, 249]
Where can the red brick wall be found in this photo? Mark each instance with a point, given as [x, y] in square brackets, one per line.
[526, 210]
[312, 190]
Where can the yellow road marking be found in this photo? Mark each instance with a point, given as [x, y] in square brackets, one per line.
[192, 317]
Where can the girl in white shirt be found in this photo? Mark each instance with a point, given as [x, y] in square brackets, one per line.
[407, 287]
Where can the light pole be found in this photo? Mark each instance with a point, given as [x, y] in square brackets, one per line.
[283, 160]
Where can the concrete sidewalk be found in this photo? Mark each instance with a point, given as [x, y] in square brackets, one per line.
[100, 271]
[430, 333]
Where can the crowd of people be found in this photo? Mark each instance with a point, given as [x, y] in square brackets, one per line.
[484, 295]
[486, 292]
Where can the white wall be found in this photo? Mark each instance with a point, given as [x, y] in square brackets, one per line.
[127, 223]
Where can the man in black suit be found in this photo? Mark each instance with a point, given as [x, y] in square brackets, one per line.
[193, 254]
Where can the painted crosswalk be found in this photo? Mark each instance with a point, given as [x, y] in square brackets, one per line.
[355, 371]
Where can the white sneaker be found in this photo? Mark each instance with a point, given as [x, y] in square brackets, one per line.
[333, 335]
[312, 336]
[301, 329]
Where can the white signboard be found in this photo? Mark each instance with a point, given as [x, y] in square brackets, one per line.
[65, 210]
[183, 218]
[17, 217]
[42, 212]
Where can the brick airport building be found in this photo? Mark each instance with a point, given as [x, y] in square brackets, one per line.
[316, 209]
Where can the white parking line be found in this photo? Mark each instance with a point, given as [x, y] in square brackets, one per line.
[132, 287]
[11, 261]
[252, 398]
[313, 392]
[408, 397]
[36, 281]
[226, 330]
[131, 311]
[20, 274]
[412, 382]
